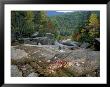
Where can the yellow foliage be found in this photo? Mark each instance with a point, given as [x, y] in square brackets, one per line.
[82, 30]
[94, 21]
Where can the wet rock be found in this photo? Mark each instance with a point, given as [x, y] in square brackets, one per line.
[15, 72]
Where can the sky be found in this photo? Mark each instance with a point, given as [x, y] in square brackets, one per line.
[53, 13]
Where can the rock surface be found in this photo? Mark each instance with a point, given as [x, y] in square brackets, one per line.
[85, 45]
[33, 75]
[15, 72]
[41, 40]
[26, 69]
[49, 61]
[17, 53]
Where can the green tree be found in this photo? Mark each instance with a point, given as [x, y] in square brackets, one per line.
[29, 23]
[88, 31]
[91, 31]
[17, 23]
[22, 24]
[43, 20]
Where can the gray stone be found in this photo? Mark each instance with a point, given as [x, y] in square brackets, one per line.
[76, 43]
[35, 34]
[36, 40]
[85, 45]
[49, 35]
[15, 72]
[83, 62]
[17, 53]
[66, 45]
[33, 75]
[26, 70]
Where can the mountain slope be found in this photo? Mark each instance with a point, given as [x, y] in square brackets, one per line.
[69, 22]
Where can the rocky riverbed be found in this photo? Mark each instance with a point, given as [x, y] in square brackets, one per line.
[48, 61]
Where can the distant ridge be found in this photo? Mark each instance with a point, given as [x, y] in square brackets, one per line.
[53, 13]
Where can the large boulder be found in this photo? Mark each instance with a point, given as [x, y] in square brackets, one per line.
[70, 44]
[85, 45]
[36, 40]
[70, 41]
[59, 45]
[43, 40]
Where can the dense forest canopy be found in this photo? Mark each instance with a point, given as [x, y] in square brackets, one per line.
[81, 26]
[70, 22]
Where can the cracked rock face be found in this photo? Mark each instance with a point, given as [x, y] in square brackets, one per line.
[34, 61]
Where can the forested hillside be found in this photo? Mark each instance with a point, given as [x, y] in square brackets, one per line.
[68, 23]
[80, 26]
